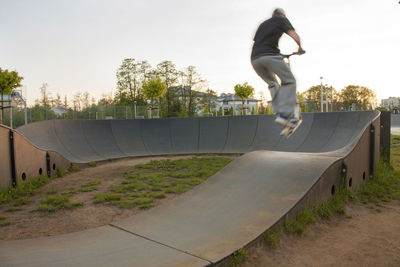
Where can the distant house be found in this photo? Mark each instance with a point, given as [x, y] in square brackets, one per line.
[390, 103]
[228, 101]
[59, 111]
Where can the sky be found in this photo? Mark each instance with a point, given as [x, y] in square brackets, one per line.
[77, 45]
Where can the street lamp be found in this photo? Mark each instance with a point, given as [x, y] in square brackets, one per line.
[322, 107]
[331, 98]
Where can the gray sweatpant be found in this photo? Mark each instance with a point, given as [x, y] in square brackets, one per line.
[283, 95]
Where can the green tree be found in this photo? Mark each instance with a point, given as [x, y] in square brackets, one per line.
[130, 76]
[9, 80]
[360, 95]
[314, 94]
[154, 89]
[167, 72]
[244, 91]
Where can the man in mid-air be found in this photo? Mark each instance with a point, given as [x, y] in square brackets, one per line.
[268, 62]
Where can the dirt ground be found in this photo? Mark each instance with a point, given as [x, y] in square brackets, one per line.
[366, 236]
[29, 223]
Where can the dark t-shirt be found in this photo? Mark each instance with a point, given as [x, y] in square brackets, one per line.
[267, 36]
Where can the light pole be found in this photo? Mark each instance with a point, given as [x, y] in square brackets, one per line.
[322, 106]
[326, 96]
[331, 98]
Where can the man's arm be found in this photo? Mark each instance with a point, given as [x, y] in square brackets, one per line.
[296, 38]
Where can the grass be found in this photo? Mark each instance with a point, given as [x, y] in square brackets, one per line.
[13, 209]
[23, 189]
[60, 172]
[145, 183]
[2, 218]
[91, 186]
[73, 168]
[55, 203]
[272, 237]
[238, 257]
[92, 164]
[21, 202]
[106, 197]
[4, 224]
[70, 192]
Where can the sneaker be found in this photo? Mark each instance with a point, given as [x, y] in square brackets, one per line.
[282, 120]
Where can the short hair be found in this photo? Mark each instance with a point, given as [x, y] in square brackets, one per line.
[278, 11]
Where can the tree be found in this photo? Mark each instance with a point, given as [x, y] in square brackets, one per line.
[167, 72]
[9, 80]
[244, 91]
[154, 89]
[193, 81]
[208, 100]
[314, 94]
[130, 76]
[358, 94]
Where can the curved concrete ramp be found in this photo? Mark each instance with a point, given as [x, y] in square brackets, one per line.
[229, 210]
[395, 123]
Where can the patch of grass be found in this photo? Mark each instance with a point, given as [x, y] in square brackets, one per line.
[129, 187]
[143, 201]
[124, 204]
[106, 197]
[91, 186]
[137, 194]
[238, 257]
[92, 183]
[87, 189]
[4, 224]
[70, 192]
[178, 189]
[2, 218]
[23, 189]
[73, 168]
[21, 202]
[305, 218]
[92, 164]
[146, 206]
[60, 172]
[51, 192]
[55, 203]
[13, 209]
[157, 195]
[272, 237]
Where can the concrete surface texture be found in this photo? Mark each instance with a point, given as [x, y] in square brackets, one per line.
[205, 225]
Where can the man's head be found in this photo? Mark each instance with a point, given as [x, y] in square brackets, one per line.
[279, 12]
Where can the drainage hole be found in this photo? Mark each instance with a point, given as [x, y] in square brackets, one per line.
[350, 182]
[333, 190]
[23, 176]
[40, 171]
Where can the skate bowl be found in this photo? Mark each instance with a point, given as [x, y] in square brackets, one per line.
[273, 179]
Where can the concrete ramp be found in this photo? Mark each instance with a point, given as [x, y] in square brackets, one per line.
[274, 178]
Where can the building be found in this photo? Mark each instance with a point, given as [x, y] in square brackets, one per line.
[59, 111]
[231, 101]
[390, 103]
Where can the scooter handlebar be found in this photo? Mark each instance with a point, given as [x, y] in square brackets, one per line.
[294, 53]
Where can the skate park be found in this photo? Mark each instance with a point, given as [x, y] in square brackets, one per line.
[273, 178]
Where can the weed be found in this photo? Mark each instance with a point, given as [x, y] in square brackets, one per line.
[70, 192]
[92, 164]
[4, 224]
[92, 183]
[60, 172]
[51, 192]
[157, 195]
[23, 189]
[146, 206]
[21, 202]
[105, 197]
[272, 237]
[13, 209]
[238, 257]
[143, 201]
[73, 168]
[87, 189]
[55, 203]
[178, 189]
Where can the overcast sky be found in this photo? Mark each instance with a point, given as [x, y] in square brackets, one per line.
[77, 45]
